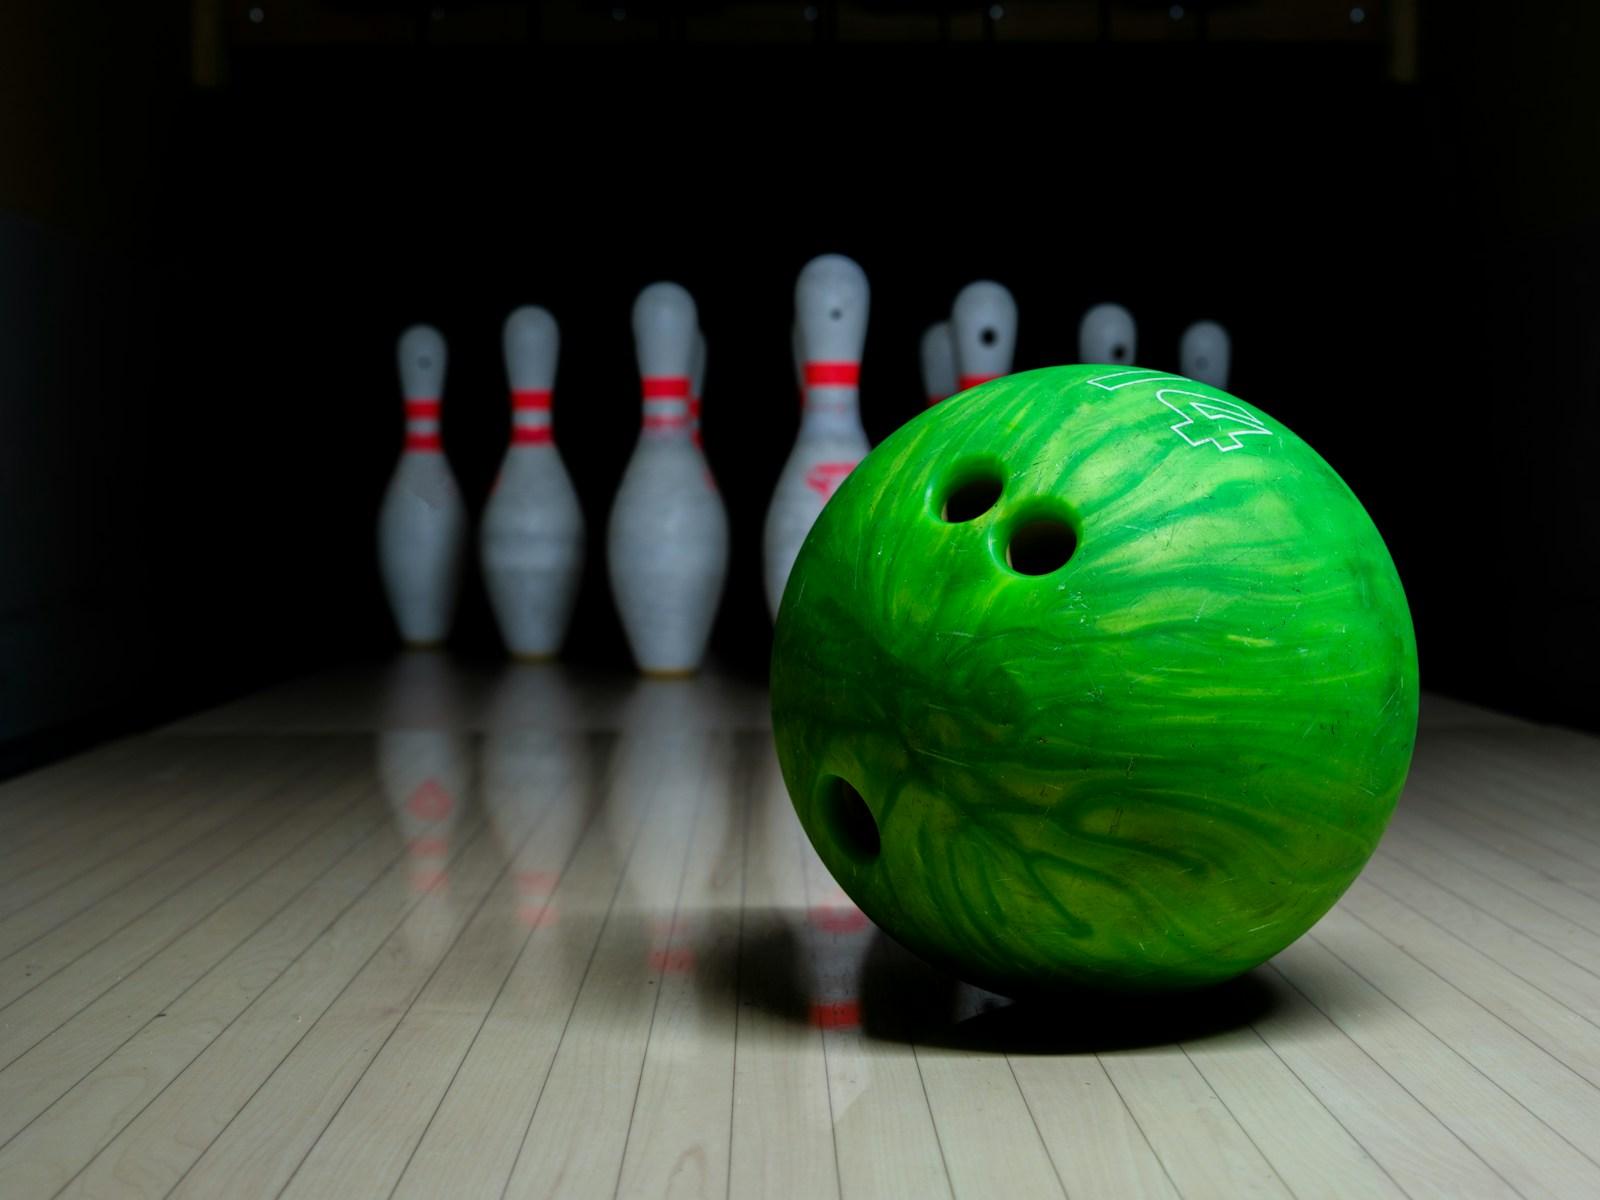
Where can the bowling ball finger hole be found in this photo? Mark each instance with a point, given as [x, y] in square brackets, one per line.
[1040, 545]
[850, 822]
[971, 498]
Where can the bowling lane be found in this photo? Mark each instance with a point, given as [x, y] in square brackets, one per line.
[430, 929]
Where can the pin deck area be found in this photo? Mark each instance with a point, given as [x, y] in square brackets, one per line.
[422, 931]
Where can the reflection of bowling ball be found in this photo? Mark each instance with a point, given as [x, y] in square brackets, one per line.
[1094, 677]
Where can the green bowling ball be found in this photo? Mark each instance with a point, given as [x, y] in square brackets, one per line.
[1094, 677]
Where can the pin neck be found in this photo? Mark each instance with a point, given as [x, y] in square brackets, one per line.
[530, 417]
[666, 405]
[422, 425]
[832, 395]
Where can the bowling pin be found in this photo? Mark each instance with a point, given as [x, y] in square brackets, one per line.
[1107, 335]
[667, 545]
[531, 539]
[938, 363]
[831, 298]
[983, 327]
[422, 524]
[1205, 353]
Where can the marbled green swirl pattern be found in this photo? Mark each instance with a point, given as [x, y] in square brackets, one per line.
[1154, 767]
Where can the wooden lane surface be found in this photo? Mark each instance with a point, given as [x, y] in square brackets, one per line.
[423, 930]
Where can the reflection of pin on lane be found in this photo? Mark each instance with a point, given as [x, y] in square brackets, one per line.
[1205, 352]
[531, 540]
[838, 935]
[671, 947]
[1107, 335]
[983, 330]
[831, 300]
[673, 727]
[425, 775]
[424, 691]
[527, 790]
[938, 354]
[667, 544]
[422, 524]
[613, 1012]
[535, 778]
[692, 954]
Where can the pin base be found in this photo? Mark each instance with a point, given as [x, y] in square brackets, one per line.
[675, 673]
[547, 657]
[435, 645]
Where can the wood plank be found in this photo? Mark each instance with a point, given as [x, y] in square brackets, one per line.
[1423, 1155]
[36, 1079]
[471, 1143]
[591, 952]
[62, 963]
[372, 1109]
[1205, 1150]
[91, 863]
[1519, 1146]
[1311, 1152]
[574, 1143]
[140, 1118]
[783, 1123]
[883, 1126]
[1095, 1142]
[679, 1141]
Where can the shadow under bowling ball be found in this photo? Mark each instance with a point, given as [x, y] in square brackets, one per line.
[905, 999]
[766, 972]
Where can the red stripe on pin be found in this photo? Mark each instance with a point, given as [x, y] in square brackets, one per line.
[424, 441]
[972, 381]
[833, 374]
[666, 387]
[422, 410]
[530, 400]
[671, 421]
[531, 435]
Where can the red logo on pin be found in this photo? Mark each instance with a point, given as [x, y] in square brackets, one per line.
[824, 478]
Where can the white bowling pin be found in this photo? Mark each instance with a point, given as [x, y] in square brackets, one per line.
[1205, 353]
[983, 326]
[531, 539]
[831, 299]
[938, 363]
[667, 545]
[1107, 335]
[422, 524]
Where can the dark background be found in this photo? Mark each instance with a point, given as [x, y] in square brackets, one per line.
[213, 226]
